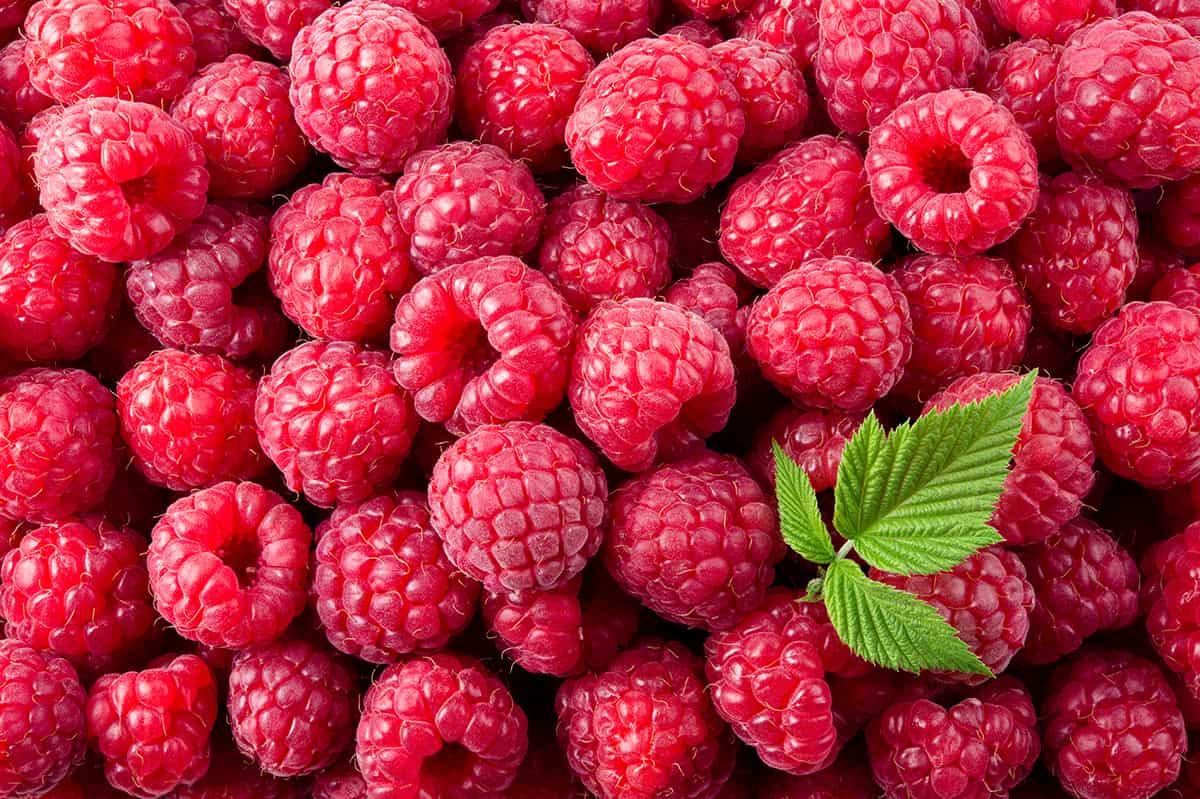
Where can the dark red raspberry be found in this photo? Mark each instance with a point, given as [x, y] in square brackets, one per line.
[1189, 779]
[1020, 77]
[339, 782]
[338, 258]
[125, 345]
[447, 17]
[440, 725]
[774, 97]
[228, 565]
[953, 171]
[58, 444]
[1170, 596]
[650, 381]
[1155, 259]
[397, 99]
[544, 773]
[810, 201]
[1111, 728]
[152, 726]
[788, 25]
[697, 30]
[231, 777]
[714, 293]
[86, 782]
[847, 778]
[118, 179]
[696, 228]
[12, 14]
[19, 101]
[600, 25]
[645, 728]
[1052, 20]
[814, 439]
[19, 200]
[1176, 216]
[658, 121]
[1180, 286]
[215, 34]
[274, 25]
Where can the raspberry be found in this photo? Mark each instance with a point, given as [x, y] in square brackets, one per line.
[447, 17]
[600, 25]
[520, 507]
[1052, 20]
[1179, 286]
[125, 345]
[1077, 253]
[544, 773]
[1051, 472]
[774, 97]
[338, 257]
[440, 725]
[339, 782]
[274, 25]
[215, 34]
[1184, 12]
[1176, 217]
[598, 248]
[788, 25]
[658, 121]
[238, 110]
[1111, 728]
[152, 726]
[645, 728]
[134, 49]
[1020, 77]
[228, 565]
[86, 782]
[1169, 596]
[845, 779]
[333, 421]
[1136, 383]
[650, 381]
[814, 439]
[516, 87]
[697, 30]
[953, 171]
[58, 433]
[834, 332]
[19, 101]
[810, 201]
[118, 179]
[463, 201]
[231, 777]
[1155, 259]
[370, 86]
[713, 292]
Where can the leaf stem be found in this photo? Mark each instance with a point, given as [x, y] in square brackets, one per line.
[846, 549]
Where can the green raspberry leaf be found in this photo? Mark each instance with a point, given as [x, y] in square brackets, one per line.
[800, 519]
[892, 628]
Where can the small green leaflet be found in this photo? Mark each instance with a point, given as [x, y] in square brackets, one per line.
[799, 517]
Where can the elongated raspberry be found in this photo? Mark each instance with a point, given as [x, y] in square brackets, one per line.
[1020, 76]
[774, 96]
[600, 25]
[1169, 596]
[812, 438]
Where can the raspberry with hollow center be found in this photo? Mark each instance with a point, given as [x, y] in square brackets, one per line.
[600, 25]
[773, 92]
[814, 439]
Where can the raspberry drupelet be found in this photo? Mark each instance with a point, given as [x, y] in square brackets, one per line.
[774, 97]
[1020, 76]
[814, 439]
[602, 26]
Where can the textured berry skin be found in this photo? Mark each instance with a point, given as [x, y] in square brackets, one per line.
[188, 420]
[1183, 12]
[658, 121]
[543, 635]
[714, 292]
[134, 49]
[19, 101]
[695, 540]
[814, 439]
[1169, 597]
[333, 421]
[600, 25]
[152, 726]
[774, 97]
[382, 583]
[845, 779]
[215, 34]
[595, 248]
[274, 25]
[833, 333]
[1051, 20]
[1111, 729]
[1180, 286]
[1155, 259]
[239, 112]
[339, 782]
[1126, 94]
[698, 31]
[649, 382]
[1137, 384]
[417, 709]
[1176, 217]
[370, 86]
[516, 87]
[1020, 77]
[810, 201]
[231, 777]
[448, 17]
[644, 728]
[118, 179]
[1051, 473]
[58, 436]
[953, 171]
[788, 25]
[228, 565]
[520, 507]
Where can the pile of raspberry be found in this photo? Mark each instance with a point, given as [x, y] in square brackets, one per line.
[388, 391]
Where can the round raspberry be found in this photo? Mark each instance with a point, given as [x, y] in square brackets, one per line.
[787, 25]
[602, 26]
[447, 17]
[543, 635]
[382, 583]
[19, 101]
[658, 121]
[274, 25]
[228, 565]
[650, 381]
[845, 779]
[1020, 77]
[152, 726]
[812, 438]
[1111, 727]
[1176, 216]
[953, 171]
[713, 292]
[338, 258]
[370, 86]
[215, 34]
[1138, 383]
[1155, 259]
[810, 201]
[774, 97]
[238, 110]
[58, 436]
[1179, 286]
[118, 179]
[1052, 20]
[519, 506]
[231, 777]
[339, 782]
[1171, 592]
[440, 725]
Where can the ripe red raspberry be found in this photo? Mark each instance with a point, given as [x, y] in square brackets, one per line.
[19, 101]
[1020, 76]
[1051, 472]
[231, 777]
[810, 201]
[845, 779]
[516, 87]
[788, 25]
[338, 258]
[1183, 12]
[1111, 729]
[19, 200]
[215, 34]
[1169, 596]
[814, 439]
[1051, 20]
[953, 171]
[774, 96]
[1176, 216]
[1137, 384]
[238, 110]
[1156, 258]
[658, 121]
[1179, 286]
[650, 381]
[333, 421]
[447, 17]
[602, 26]
[228, 565]
[397, 99]
[118, 179]
[645, 728]
[58, 436]
[153, 726]
[134, 49]
[713, 292]
[440, 725]
[274, 25]
[339, 782]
